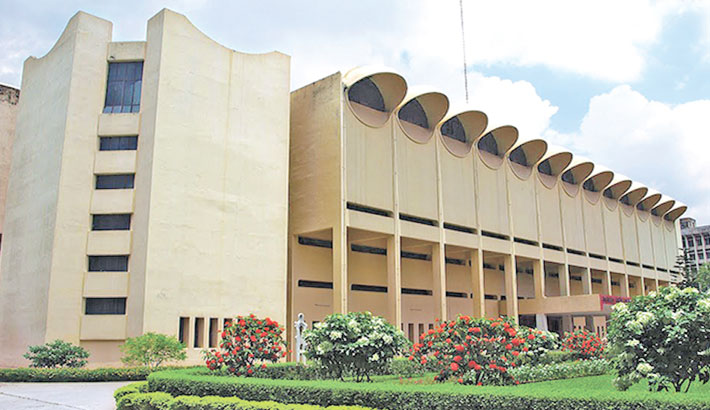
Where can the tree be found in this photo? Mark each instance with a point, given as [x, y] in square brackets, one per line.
[57, 354]
[152, 350]
[663, 337]
[687, 269]
[703, 278]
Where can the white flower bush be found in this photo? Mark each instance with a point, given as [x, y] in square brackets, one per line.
[663, 337]
[354, 344]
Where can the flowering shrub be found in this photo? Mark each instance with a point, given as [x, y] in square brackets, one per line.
[584, 344]
[538, 342]
[471, 351]
[247, 342]
[356, 343]
[663, 337]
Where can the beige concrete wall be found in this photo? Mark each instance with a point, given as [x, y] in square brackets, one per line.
[217, 207]
[9, 98]
[49, 190]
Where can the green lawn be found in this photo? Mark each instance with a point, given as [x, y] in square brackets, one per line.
[594, 387]
[584, 388]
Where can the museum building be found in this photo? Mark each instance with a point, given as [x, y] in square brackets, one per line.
[173, 183]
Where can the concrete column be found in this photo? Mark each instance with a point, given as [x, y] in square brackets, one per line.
[511, 287]
[624, 285]
[606, 282]
[190, 342]
[479, 289]
[539, 279]
[586, 281]
[394, 281]
[438, 266]
[340, 270]
[566, 323]
[563, 276]
[541, 321]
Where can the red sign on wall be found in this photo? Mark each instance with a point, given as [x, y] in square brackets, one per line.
[611, 300]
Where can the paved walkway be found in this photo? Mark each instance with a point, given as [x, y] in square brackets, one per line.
[76, 396]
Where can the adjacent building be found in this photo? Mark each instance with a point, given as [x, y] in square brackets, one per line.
[169, 184]
[404, 207]
[696, 242]
[148, 190]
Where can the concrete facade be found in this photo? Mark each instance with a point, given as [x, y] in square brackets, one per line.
[9, 98]
[208, 207]
[416, 212]
[173, 183]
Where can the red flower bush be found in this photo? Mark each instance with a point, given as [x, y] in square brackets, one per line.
[584, 344]
[246, 343]
[471, 351]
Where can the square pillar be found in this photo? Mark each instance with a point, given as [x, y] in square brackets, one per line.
[511, 287]
[586, 281]
[563, 276]
[340, 270]
[606, 282]
[624, 285]
[479, 289]
[394, 281]
[438, 266]
[539, 279]
[541, 321]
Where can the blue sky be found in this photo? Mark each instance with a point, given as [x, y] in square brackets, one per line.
[624, 83]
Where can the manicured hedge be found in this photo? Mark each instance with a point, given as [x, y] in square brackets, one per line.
[571, 394]
[135, 397]
[558, 371]
[164, 401]
[68, 374]
[138, 387]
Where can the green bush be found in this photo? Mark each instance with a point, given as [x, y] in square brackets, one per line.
[139, 387]
[356, 343]
[164, 401]
[152, 350]
[57, 354]
[557, 371]
[25, 374]
[406, 368]
[561, 394]
[145, 401]
[557, 356]
[663, 337]
[291, 371]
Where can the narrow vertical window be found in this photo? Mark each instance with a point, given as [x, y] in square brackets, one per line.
[123, 88]
[183, 327]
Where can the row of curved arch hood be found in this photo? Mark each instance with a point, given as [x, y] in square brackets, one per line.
[376, 94]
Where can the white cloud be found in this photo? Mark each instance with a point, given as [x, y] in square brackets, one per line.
[603, 39]
[660, 145]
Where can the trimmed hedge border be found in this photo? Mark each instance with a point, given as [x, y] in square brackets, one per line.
[390, 396]
[136, 397]
[559, 371]
[163, 401]
[69, 374]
